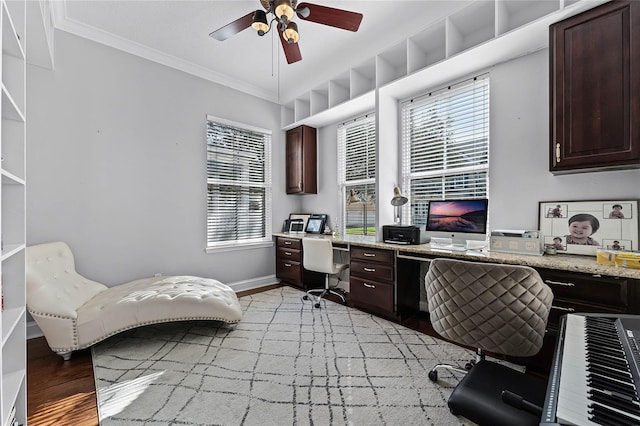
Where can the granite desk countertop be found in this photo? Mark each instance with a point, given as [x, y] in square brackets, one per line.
[562, 262]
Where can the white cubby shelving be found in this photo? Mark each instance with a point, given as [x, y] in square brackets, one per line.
[15, 14]
[13, 386]
[477, 30]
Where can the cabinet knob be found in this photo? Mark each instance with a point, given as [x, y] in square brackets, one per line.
[557, 152]
[288, 265]
[288, 253]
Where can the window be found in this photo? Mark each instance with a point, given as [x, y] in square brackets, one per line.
[445, 146]
[357, 175]
[238, 184]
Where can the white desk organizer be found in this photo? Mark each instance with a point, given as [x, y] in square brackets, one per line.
[517, 241]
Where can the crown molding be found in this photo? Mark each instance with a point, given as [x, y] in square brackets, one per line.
[63, 23]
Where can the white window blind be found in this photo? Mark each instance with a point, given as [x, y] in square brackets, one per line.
[445, 146]
[238, 184]
[357, 174]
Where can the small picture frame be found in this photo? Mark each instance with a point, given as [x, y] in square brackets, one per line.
[583, 227]
[302, 216]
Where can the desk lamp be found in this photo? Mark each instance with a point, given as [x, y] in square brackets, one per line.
[398, 201]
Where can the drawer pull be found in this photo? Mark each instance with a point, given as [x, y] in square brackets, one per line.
[559, 283]
[369, 285]
[288, 265]
[288, 253]
[369, 254]
[369, 269]
[560, 308]
[287, 243]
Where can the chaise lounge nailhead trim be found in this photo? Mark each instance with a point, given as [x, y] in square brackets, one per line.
[75, 313]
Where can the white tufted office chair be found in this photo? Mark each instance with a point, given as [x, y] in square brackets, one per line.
[317, 256]
[501, 309]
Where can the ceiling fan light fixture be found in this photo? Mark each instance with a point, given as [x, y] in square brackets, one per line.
[260, 22]
[283, 10]
[291, 33]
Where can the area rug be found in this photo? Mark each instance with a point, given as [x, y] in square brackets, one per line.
[285, 363]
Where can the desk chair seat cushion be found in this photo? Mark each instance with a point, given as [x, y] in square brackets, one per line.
[478, 395]
[499, 308]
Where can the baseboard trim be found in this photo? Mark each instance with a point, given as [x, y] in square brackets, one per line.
[254, 283]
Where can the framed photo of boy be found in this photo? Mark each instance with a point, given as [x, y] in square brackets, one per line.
[583, 227]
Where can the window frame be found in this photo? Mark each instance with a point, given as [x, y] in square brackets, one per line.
[243, 244]
[446, 171]
[343, 183]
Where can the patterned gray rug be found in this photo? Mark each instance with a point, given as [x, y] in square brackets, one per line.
[283, 364]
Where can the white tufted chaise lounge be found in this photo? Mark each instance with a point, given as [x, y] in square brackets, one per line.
[74, 312]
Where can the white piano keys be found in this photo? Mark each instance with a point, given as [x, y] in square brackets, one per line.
[573, 402]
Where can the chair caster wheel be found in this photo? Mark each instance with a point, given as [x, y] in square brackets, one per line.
[469, 365]
[433, 375]
[305, 297]
[317, 305]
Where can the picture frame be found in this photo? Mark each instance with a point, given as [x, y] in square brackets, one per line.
[583, 227]
[304, 216]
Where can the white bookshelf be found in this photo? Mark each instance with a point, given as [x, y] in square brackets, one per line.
[498, 29]
[18, 16]
[13, 369]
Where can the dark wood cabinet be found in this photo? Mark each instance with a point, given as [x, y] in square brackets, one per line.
[595, 89]
[576, 292]
[289, 261]
[301, 161]
[372, 279]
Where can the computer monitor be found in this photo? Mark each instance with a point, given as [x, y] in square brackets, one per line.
[458, 220]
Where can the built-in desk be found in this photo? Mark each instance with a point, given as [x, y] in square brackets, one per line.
[579, 283]
[388, 280]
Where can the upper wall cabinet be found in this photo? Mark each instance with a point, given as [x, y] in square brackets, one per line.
[595, 95]
[301, 167]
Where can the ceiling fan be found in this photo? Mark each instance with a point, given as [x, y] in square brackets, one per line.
[283, 11]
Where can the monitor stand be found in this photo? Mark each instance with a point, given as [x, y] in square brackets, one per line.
[448, 244]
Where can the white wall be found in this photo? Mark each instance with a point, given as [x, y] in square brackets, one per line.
[116, 165]
[116, 162]
[519, 170]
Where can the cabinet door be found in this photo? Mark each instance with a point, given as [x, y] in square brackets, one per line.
[301, 168]
[595, 98]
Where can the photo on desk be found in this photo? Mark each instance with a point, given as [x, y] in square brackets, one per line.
[583, 227]
[303, 216]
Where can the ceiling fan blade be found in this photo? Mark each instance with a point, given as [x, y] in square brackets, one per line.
[333, 17]
[291, 50]
[233, 28]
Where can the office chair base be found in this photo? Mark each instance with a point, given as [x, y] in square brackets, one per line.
[322, 293]
[433, 374]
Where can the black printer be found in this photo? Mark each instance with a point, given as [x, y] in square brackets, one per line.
[408, 234]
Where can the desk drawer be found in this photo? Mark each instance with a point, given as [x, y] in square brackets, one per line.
[584, 287]
[289, 254]
[372, 255]
[292, 243]
[371, 294]
[289, 272]
[371, 271]
[563, 306]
